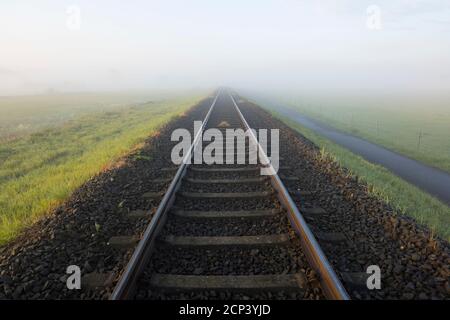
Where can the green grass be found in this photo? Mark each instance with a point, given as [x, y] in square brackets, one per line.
[416, 127]
[39, 171]
[402, 196]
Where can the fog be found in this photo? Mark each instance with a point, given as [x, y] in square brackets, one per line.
[303, 46]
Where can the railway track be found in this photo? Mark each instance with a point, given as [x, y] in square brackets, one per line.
[222, 231]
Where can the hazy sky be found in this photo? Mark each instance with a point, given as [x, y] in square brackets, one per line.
[311, 45]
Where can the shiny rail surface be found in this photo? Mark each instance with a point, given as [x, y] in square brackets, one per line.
[331, 284]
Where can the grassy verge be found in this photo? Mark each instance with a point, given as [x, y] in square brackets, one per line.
[40, 171]
[406, 198]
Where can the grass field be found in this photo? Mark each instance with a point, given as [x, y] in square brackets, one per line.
[418, 127]
[406, 198]
[40, 170]
[22, 115]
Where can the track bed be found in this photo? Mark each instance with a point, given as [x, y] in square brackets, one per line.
[227, 236]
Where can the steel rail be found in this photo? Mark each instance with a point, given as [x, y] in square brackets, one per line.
[331, 285]
[126, 285]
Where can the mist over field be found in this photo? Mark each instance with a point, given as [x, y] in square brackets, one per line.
[316, 47]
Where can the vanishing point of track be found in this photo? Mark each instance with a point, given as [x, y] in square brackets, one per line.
[214, 217]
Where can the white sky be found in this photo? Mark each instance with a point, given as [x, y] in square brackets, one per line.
[311, 45]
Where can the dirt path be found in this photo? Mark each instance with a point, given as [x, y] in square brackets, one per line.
[434, 181]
